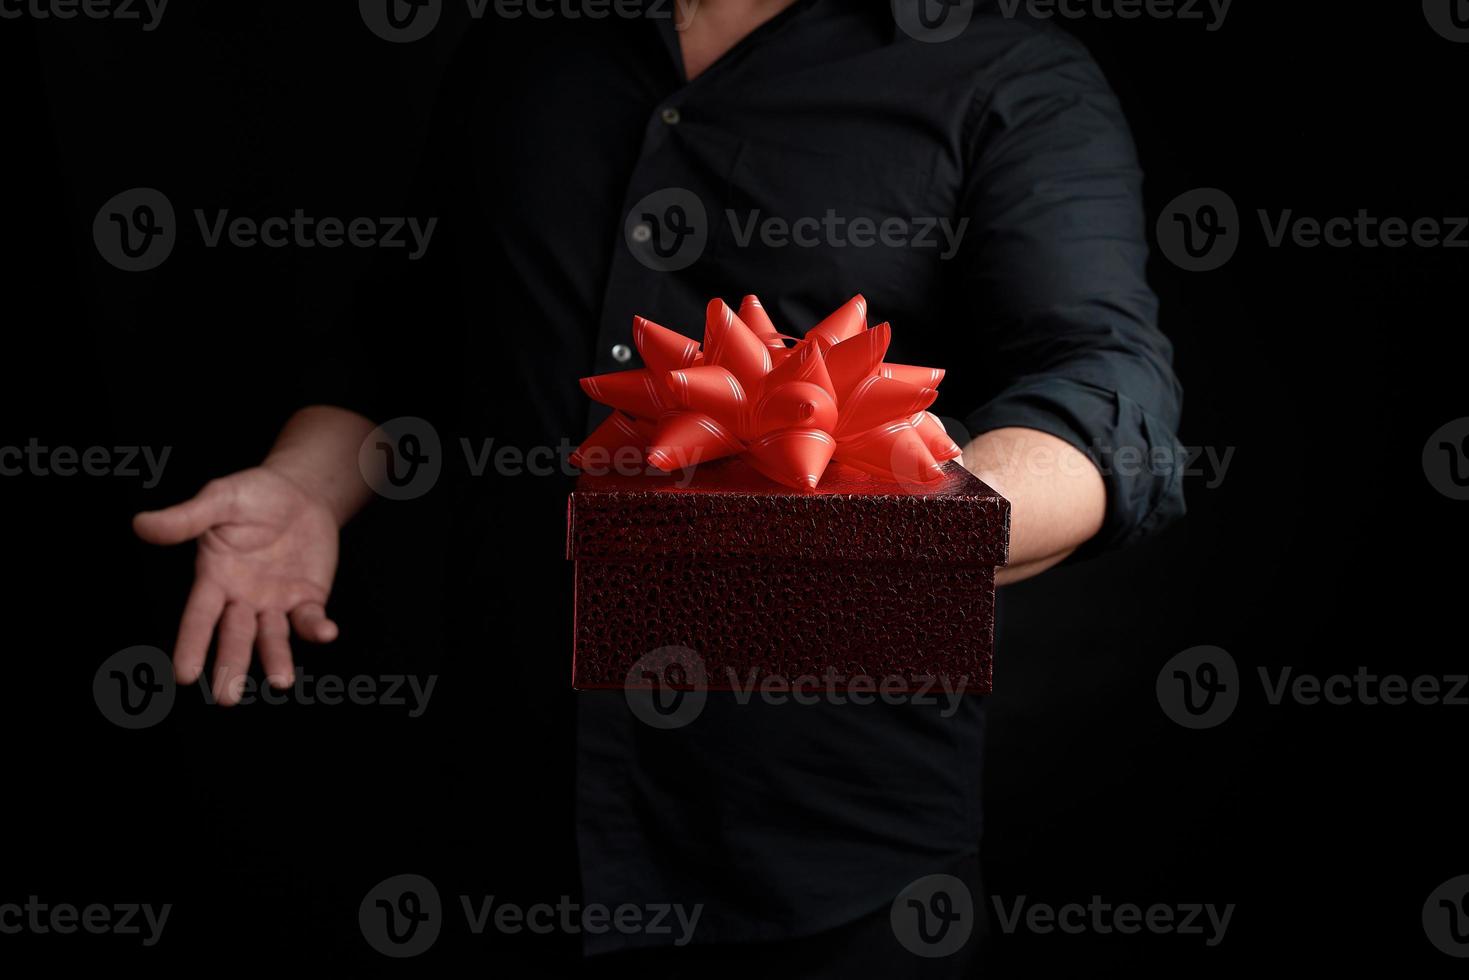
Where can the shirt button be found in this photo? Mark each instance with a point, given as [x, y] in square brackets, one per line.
[671, 116]
[642, 231]
[621, 353]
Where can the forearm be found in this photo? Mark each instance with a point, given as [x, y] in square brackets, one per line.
[317, 449]
[1057, 498]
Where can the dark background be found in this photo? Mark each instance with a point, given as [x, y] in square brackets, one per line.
[1324, 548]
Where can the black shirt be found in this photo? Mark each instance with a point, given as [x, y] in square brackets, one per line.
[981, 192]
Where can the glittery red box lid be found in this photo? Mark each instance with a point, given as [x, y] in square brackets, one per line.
[726, 510]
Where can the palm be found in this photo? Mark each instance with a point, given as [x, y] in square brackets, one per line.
[279, 551]
[267, 554]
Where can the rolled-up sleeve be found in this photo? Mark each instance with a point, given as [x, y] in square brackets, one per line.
[1056, 259]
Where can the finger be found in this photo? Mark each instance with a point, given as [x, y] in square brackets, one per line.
[311, 623]
[196, 626]
[186, 521]
[232, 662]
[273, 640]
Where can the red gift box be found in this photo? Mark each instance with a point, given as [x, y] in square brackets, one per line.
[863, 581]
[819, 532]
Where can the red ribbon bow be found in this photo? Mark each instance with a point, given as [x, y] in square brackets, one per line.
[788, 411]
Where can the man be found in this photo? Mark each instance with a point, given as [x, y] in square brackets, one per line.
[981, 191]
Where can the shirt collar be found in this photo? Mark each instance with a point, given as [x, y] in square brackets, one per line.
[668, 31]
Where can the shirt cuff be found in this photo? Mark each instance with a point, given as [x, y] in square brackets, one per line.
[1138, 455]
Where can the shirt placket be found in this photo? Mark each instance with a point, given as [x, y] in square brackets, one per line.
[634, 283]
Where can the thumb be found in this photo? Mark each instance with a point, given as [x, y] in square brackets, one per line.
[186, 521]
